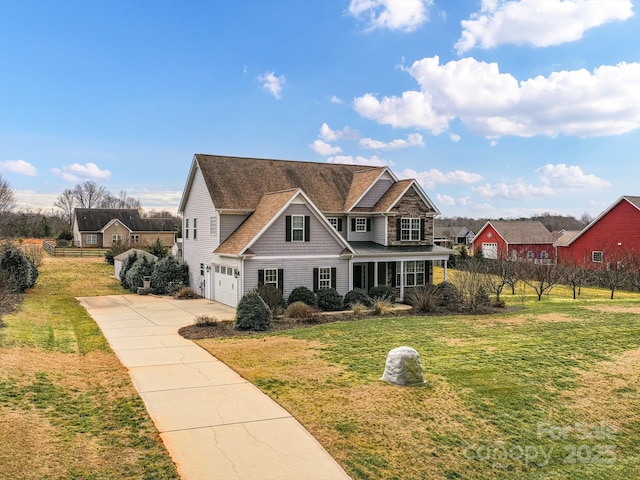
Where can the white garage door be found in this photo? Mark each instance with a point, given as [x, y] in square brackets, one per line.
[490, 250]
[225, 286]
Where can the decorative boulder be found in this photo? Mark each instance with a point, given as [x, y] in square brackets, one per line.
[403, 367]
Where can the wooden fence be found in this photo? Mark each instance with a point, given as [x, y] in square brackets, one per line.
[72, 251]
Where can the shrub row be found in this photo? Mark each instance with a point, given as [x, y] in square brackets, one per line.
[168, 274]
[17, 268]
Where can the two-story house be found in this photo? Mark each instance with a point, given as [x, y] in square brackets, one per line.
[248, 221]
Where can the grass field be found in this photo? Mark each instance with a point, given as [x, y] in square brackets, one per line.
[549, 391]
[68, 409]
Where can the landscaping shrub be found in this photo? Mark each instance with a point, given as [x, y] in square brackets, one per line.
[272, 296]
[169, 275]
[423, 299]
[116, 249]
[158, 249]
[357, 295]
[300, 311]
[205, 321]
[450, 297]
[381, 306]
[252, 313]
[384, 292]
[302, 294]
[481, 300]
[359, 310]
[186, 293]
[17, 268]
[65, 235]
[329, 300]
[143, 267]
[126, 265]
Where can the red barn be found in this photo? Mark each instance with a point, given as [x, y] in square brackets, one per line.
[515, 239]
[613, 236]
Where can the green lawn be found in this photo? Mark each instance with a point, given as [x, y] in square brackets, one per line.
[550, 391]
[68, 409]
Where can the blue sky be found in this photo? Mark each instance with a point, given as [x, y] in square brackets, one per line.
[499, 108]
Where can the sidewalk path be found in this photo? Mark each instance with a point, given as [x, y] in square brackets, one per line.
[214, 423]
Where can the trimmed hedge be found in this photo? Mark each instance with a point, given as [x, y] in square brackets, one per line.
[252, 313]
[302, 294]
[169, 275]
[383, 292]
[357, 295]
[329, 300]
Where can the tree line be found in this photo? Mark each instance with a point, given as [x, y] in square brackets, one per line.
[39, 223]
[552, 222]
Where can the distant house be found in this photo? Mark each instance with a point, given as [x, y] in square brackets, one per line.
[250, 221]
[515, 239]
[101, 227]
[609, 239]
[453, 236]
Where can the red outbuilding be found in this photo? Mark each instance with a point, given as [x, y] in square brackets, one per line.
[611, 239]
[515, 239]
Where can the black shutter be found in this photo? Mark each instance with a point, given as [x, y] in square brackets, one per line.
[422, 228]
[339, 224]
[315, 279]
[353, 224]
[368, 224]
[260, 277]
[307, 228]
[287, 226]
[333, 277]
[392, 266]
[281, 279]
[398, 228]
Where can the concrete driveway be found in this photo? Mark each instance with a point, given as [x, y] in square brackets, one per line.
[214, 423]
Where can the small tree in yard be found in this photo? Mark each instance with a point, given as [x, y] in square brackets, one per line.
[126, 266]
[541, 277]
[158, 249]
[118, 247]
[17, 268]
[615, 274]
[252, 313]
[142, 268]
[576, 277]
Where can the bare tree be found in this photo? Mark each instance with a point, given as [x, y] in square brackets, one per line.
[576, 276]
[541, 277]
[7, 202]
[89, 194]
[66, 202]
[503, 272]
[121, 201]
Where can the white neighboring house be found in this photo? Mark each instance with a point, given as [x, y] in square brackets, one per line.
[248, 221]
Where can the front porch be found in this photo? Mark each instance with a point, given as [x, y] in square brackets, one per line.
[399, 267]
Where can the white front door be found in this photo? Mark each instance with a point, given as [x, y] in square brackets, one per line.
[226, 286]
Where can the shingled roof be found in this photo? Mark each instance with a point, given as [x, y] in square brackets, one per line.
[523, 232]
[95, 219]
[237, 183]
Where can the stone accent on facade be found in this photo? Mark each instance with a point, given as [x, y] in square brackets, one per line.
[411, 205]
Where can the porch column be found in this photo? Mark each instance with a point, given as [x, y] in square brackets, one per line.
[402, 280]
[375, 274]
[445, 270]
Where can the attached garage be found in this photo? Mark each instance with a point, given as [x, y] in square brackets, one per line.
[225, 285]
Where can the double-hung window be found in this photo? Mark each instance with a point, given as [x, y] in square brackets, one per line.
[271, 277]
[186, 228]
[115, 237]
[297, 228]
[195, 228]
[410, 229]
[596, 257]
[92, 239]
[361, 224]
[324, 278]
[413, 273]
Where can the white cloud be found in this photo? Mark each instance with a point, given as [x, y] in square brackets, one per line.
[79, 173]
[272, 84]
[430, 178]
[404, 15]
[359, 160]
[571, 176]
[413, 140]
[514, 191]
[31, 200]
[335, 99]
[454, 137]
[490, 103]
[538, 23]
[18, 166]
[323, 148]
[329, 135]
[445, 200]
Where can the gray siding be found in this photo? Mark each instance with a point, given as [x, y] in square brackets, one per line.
[375, 193]
[200, 250]
[228, 224]
[273, 241]
[378, 230]
[359, 236]
[297, 272]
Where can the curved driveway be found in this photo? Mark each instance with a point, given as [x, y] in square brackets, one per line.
[214, 423]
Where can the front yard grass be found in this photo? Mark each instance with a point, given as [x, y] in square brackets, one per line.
[550, 391]
[67, 406]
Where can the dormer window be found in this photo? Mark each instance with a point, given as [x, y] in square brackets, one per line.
[298, 228]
